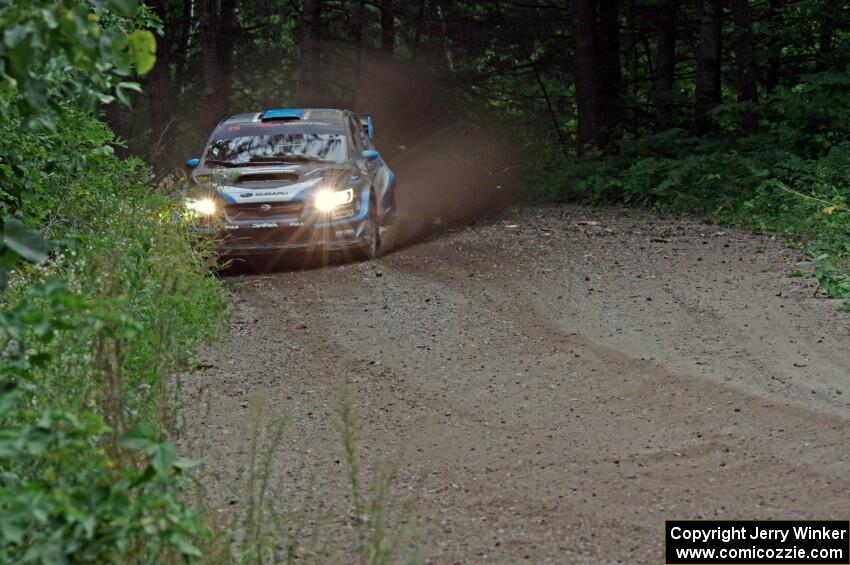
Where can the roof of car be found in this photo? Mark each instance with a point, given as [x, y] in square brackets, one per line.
[329, 115]
[283, 121]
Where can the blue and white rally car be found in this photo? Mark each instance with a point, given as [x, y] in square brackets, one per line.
[293, 179]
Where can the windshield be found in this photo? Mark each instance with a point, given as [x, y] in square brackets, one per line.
[271, 147]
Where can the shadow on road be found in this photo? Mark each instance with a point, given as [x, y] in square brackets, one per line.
[284, 262]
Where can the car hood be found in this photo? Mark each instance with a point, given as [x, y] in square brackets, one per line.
[277, 183]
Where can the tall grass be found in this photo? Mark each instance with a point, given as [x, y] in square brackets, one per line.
[367, 530]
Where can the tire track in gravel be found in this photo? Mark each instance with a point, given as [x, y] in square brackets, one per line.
[537, 406]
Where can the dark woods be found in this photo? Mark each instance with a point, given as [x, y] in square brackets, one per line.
[586, 70]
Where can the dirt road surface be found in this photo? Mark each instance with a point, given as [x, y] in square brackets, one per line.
[550, 384]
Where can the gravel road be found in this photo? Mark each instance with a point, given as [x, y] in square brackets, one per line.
[549, 385]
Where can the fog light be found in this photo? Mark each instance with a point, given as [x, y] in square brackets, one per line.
[205, 206]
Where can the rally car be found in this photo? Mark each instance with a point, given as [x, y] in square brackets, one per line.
[292, 180]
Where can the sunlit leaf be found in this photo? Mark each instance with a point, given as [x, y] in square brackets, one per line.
[142, 49]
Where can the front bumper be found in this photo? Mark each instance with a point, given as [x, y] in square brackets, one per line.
[295, 239]
[268, 238]
[303, 230]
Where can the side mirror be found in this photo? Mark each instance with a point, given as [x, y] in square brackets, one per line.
[192, 163]
[366, 124]
[370, 154]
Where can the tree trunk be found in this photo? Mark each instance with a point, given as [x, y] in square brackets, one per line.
[359, 69]
[387, 27]
[551, 109]
[585, 73]
[418, 29]
[774, 62]
[446, 39]
[609, 108]
[227, 40]
[708, 65]
[598, 77]
[825, 37]
[745, 61]
[184, 42]
[208, 15]
[309, 76]
[665, 66]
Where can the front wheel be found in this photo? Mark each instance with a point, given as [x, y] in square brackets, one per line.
[371, 235]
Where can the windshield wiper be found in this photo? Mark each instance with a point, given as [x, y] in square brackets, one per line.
[286, 159]
[218, 162]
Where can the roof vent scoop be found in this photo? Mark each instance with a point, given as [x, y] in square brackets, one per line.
[283, 115]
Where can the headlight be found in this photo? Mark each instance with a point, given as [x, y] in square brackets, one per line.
[205, 206]
[329, 200]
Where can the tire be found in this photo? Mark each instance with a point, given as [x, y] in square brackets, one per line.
[371, 247]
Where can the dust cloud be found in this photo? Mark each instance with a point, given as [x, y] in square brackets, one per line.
[448, 168]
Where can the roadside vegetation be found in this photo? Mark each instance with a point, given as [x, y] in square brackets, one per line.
[91, 340]
[367, 528]
[104, 300]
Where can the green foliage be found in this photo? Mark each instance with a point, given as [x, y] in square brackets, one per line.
[142, 50]
[69, 51]
[63, 497]
[34, 159]
[832, 280]
[109, 241]
[114, 298]
[18, 242]
[91, 337]
[51, 47]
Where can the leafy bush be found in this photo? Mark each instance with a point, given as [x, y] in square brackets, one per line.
[113, 240]
[64, 494]
[90, 341]
[89, 338]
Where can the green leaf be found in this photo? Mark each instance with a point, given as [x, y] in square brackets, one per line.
[139, 438]
[186, 463]
[24, 241]
[186, 548]
[10, 531]
[163, 457]
[120, 91]
[142, 49]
